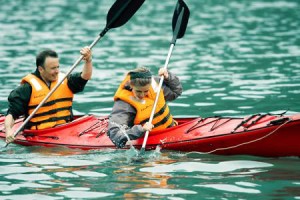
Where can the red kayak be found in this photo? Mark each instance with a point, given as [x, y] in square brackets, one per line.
[259, 135]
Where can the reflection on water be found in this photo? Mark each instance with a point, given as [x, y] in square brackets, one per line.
[113, 174]
[236, 58]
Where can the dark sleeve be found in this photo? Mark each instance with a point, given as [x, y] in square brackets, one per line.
[121, 122]
[172, 87]
[18, 101]
[76, 83]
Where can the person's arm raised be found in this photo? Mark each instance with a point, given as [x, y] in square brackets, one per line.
[88, 66]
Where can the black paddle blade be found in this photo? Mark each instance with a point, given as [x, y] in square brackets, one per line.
[180, 20]
[121, 11]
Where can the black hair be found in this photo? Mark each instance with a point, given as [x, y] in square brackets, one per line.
[41, 57]
[141, 76]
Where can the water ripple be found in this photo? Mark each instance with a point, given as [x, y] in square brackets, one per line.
[162, 191]
[84, 194]
[230, 188]
[29, 177]
[226, 166]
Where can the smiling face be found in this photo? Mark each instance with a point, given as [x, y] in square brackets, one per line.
[140, 92]
[50, 71]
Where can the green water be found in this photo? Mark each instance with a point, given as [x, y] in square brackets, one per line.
[237, 58]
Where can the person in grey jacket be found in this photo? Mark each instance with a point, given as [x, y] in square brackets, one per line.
[134, 101]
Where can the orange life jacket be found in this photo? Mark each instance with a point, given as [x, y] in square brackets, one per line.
[162, 118]
[56, 110]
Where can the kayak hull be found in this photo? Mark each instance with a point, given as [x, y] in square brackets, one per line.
[258, 135]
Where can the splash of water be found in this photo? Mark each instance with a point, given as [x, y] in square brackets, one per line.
[156, 154]
[123, 130]
[133, 154]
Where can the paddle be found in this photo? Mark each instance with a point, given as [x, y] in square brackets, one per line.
[179, 24]
[120, 12]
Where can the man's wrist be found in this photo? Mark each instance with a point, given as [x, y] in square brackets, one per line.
[89, 60]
